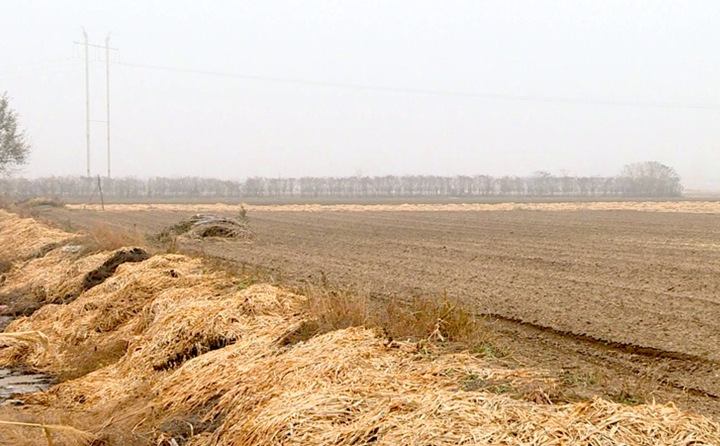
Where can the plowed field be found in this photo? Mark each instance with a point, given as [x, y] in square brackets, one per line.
[633, 295]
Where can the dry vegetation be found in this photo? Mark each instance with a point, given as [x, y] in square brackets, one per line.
[443, 319]
[703, 207]
[104, 237]
[169, 351]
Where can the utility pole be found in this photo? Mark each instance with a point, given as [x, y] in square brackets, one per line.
[87, 99]
[107, 49]
[107, 90]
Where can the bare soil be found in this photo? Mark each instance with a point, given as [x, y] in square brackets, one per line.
[622, 303]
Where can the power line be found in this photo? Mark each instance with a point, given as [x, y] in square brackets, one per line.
[430, 92]
[37, 64]
[46, 72]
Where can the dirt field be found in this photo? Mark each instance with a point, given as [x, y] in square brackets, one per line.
[627, 293]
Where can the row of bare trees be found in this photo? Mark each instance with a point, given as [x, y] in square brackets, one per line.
[648, 179]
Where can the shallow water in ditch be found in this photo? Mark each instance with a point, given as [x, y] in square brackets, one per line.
[4, 322]
[13, 383]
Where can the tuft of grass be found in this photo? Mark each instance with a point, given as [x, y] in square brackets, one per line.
[105, 237]
[335, 309]
[442, 319]
[483, 347]
[623, 396]
[570, 378]
[638, 390]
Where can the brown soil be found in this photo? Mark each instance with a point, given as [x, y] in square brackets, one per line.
[622, 303]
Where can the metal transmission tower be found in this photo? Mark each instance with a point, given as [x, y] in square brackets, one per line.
[107, 49]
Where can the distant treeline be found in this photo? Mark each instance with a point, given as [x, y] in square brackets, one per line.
[648, 179]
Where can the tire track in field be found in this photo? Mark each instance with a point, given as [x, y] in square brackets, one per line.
[637, 359]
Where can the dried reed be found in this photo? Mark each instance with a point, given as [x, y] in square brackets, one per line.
[172, 352]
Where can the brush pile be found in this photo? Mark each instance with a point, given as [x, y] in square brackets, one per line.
[168, 352]
[201, 226]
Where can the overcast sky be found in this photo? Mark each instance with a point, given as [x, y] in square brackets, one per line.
[453, 87]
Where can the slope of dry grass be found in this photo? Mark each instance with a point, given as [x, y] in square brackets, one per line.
[168, 351]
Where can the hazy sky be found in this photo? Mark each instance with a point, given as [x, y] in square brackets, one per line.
[612, 60]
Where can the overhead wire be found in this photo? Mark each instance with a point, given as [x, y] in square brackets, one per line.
[36, 64]
[33, 69]
[438, 92]
[40, 71]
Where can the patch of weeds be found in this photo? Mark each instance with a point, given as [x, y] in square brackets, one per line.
[489, 351]
[171, 246]
[440, 321]
[337, 309]
[472, 382]
[622, 396]
[245, 282]
[571, 378]
[634, 391]
[201, 226]
[424, 348]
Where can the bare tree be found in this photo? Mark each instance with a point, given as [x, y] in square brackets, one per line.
[14, 147]
[650, 179]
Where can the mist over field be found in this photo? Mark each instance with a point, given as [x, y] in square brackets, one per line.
[235, 90]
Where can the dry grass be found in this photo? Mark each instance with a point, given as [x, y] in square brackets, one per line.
[441, 319]
[44, 201]
[106, 237]
[24, 238]
[5, 266]
[704, 207]
[209, 362]
[18, 429]
[167, 352]
[28, 337]
[59, 277]
[42, 265]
